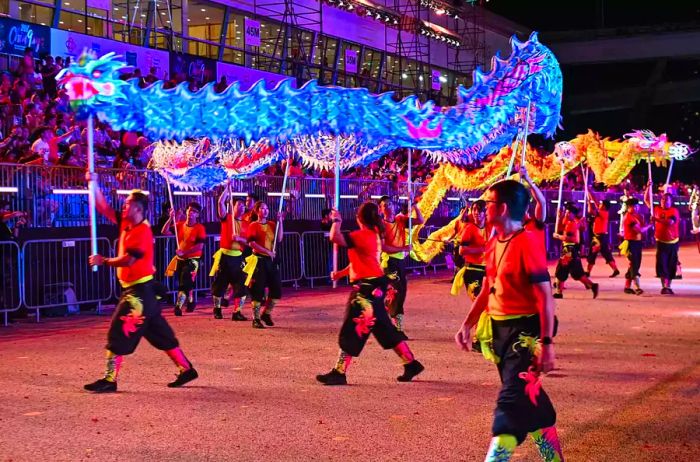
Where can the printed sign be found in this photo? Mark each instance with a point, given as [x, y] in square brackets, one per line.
[16, 36]
[350, 61]
[252, 32]
[436, 80]
[65, 43]
[247, 77]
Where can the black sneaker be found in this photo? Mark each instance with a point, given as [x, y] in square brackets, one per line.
[190, 306]
[177, 311]
[332, 378]
[184, 377]
[594, 289]
[267, 319]
[218, 314]
[558, 295]
[257, 324]
[410, 370]
[638, 291]
[238, 316]
[629, 291]
[615, 274]
[224, 302]
[101, 386]
[666, 291]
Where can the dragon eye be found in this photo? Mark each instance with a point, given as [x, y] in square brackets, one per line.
[96, 74]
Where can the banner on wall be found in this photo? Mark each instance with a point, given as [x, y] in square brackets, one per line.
[437, 84]
[16, 36]
[202, 70]
[252, 32]
[247, 76]
[350, 61]
[64, 43]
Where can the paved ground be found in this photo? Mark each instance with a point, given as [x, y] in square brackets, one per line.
[627, 385]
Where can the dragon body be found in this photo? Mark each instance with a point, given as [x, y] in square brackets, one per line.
[609, 160]
[306, 121]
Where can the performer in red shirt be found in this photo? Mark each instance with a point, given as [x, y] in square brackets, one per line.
[191, 237]
[396, 249]
[262, 266]
[570, 260]
[472, 244]
[633, 228]
[514, 315]
[600, 241]
[138, 312]
[666, 220]
[228, 260]
[536, 221]
[365, 311]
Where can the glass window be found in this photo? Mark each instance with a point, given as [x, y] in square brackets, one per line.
[72, 22]
[35, 13]
[204, 20]
[324, 54]
[234, 33]
[5, 7]
[167, 22]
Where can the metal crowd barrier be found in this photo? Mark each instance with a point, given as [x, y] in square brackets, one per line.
[10, 278]
[57, 196]
[56, 274]
[317, 254]
[164, 250]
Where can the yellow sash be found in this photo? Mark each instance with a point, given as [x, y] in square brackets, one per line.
[624, 248]
[217, 259]
[458, 281]
[251, 262]
[172, 266]
[133, 283]
[484, 333]
[386, 256]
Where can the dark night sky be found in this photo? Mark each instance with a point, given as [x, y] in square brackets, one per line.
[681, 121]
[576, 14]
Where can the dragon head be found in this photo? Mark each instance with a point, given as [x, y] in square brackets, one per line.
[92, 83]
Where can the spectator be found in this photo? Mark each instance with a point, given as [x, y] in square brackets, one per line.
[8, 233]
[222, 85]
[151, 77]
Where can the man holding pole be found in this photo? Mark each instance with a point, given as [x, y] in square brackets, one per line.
[191, 236]
[137, 313]
[514, 320]
[228, 260]
[666, 219]
[395, 251]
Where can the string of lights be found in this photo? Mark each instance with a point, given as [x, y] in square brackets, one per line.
[392, 19]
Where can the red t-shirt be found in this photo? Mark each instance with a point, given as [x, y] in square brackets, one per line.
[364, 253]
[667, 232]
[395, 232]
[137, 242]
[572, 231]
[262, 234]
[231, 227]
[601, 221]
[534, 225]
[473, 236]
[628, 227]
[512, 267]
[190, 236]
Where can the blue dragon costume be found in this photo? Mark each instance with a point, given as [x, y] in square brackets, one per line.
[487, 117]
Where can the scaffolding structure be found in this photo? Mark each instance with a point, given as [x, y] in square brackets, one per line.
[408, 73]
[289, 50]
[469, 26]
